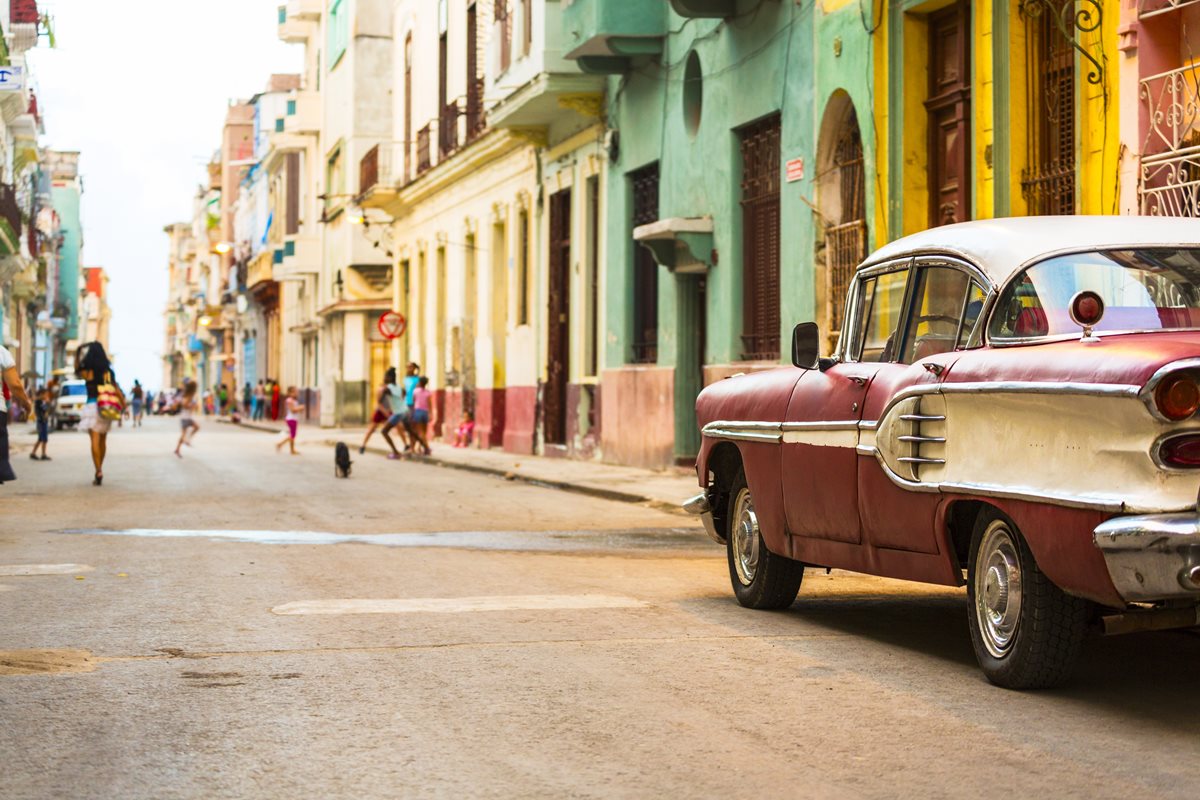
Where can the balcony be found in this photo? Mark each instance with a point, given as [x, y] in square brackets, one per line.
[10, 221]
[259, 271]
[301, 257]
[303, 113]
[1169, 179]
[380, 175]
[704, 9]
[1153, 8]
[605, 36]
[298, 20]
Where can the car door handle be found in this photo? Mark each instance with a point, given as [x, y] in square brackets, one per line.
[936, 369]
[858, 379]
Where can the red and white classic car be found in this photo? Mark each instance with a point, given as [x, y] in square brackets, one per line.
[1011, 406]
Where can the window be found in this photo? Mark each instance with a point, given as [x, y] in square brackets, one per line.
[526, 27]
[1143, 290]
[408, 143]
[942, 315]
[1048, 183]
[503, 32]
[939, 299]
[338, 31]
[881, 305]
[760, 152]
[523, 267]
[644, 184]
[335, 183]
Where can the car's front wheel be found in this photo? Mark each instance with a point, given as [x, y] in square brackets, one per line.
[1026, 632]
[761, 579]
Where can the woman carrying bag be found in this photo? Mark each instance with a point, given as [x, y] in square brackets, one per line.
[105, 401]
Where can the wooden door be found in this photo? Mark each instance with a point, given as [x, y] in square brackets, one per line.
[558, 320]
[949, 107]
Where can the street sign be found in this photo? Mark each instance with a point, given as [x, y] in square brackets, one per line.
[795, 170]
[12, 79]
[392, 325]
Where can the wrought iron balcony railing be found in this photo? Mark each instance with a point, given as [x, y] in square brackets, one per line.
[1171, 103]
[1169, 178]
[1152, 8]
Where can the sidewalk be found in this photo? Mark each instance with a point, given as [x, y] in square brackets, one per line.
[664, 490]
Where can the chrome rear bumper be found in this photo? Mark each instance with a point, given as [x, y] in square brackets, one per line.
[700, 506]
[1152, 557]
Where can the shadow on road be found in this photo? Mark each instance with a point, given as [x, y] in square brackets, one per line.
[1150, 678]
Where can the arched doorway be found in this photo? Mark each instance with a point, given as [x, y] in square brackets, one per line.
[841, 208]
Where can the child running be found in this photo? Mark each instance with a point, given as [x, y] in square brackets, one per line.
[383, 409]
[41, 410]
[186, 405]
[291, 419]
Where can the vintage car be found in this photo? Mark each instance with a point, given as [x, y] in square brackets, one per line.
[1011, 406]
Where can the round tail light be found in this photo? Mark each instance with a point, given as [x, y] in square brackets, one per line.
[1177, 397]
[1086, 309]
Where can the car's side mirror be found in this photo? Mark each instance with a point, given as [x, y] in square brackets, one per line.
[806, 345]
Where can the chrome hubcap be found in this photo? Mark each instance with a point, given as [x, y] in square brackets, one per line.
[745, 539]
[998, 588]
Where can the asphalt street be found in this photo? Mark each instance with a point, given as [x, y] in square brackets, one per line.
[240, 623]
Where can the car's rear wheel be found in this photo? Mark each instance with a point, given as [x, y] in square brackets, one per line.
[761, 579]
[1027, 633]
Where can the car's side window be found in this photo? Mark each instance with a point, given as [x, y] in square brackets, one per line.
[881, 308]
[972, 328]
[939, 305]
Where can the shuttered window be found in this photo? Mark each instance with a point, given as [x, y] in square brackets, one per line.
[1048, 184]
[644, 183]
[760, 239]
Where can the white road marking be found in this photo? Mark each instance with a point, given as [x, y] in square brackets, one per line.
[44, 569]
[458, 605]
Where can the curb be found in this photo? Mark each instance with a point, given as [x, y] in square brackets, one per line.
[508, 475]
[565, 486]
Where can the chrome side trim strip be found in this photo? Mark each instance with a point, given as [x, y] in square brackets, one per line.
[924, 439]
[922, 418]
[736, 431]
[837, 425]
[920, 460]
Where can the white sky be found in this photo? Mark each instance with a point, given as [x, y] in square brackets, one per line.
[140, 88]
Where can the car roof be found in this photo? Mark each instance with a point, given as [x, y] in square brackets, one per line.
[999, 247]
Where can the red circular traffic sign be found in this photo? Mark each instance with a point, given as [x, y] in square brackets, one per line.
[392, 325]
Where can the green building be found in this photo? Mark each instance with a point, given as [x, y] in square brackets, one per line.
[740, 138]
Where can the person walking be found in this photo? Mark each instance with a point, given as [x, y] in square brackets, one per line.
[294, 406]
[420, 415]
[247, 395]
[41, 412]
[138, 396]
[93, 366]
[10, 387]
[400, 419]
[383, 408]
[274, 399]
[188, 427]
[256, 401]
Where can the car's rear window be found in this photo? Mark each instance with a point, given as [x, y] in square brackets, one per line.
[74, 389]
[1144, 289]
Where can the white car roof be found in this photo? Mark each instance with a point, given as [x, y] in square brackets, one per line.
[1000, 247]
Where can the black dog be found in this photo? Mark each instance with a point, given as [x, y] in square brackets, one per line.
[341, 460]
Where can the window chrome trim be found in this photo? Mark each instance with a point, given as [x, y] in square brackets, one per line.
[1071, 251]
